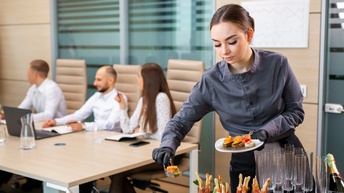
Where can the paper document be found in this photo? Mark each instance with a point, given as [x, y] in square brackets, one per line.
[120, 136]
[62, 129]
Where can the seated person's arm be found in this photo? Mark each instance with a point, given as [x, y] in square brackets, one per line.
[2, 115]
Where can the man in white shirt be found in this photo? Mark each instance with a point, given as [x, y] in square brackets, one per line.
[46, 99]
[44, 96]
[102, 104]
[105, 108]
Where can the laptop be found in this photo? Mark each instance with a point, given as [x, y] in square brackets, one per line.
[12, 117]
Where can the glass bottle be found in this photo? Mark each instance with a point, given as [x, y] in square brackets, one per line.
[27, 136]
[336, 183]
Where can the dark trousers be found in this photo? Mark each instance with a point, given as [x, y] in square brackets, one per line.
[242, 163]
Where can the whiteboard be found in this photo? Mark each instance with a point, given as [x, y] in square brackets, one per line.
[279, 23]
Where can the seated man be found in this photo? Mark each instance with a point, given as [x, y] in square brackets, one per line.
[44, 96]
[46, 99]
[106, 110]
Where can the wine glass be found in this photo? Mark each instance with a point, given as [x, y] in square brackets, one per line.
[321, 173]
[279, 159]
[307, 185]
[300, 162]
[289, 152]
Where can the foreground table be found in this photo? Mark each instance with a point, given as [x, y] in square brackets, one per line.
[66, 161]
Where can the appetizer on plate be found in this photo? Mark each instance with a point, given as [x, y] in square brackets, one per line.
[247, 140]
[227, 142]
[238, 141]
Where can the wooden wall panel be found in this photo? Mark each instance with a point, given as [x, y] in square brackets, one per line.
[24, 12]
[25, 35]
[307, 131]
[20, 45]
[13, 92]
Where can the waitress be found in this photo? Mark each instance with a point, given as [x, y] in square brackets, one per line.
[251, 90]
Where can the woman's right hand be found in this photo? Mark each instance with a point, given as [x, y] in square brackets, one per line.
[49, 123]
[120, 99]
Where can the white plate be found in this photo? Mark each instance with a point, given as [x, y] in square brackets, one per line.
[220, 148]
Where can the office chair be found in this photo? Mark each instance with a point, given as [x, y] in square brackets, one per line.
[127, 83]
[71, 77]
[181, 76]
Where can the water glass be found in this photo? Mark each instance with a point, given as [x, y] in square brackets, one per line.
[96, 136]
[3, 133]
[321, 174]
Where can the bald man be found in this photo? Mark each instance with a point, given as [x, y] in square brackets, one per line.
[105, 109]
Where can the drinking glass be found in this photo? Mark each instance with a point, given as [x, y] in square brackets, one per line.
[289, 152]
[298, 151]
[96, 136]
[300, 163]
[3, 133]
[268, 168]
[308, 174]
[279, 163]
[260, 166]
[321, 174]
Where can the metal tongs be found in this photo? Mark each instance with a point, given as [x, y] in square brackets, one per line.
[170, 174]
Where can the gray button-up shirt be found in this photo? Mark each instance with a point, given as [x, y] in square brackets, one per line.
[267, 97]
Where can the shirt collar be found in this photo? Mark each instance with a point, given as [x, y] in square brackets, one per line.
[41, 87]
[110, 94]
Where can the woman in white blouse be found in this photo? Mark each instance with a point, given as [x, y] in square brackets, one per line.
[154, 109]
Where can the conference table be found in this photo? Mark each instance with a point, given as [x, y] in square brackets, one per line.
[65, 161]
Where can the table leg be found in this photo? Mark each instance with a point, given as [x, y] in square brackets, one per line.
[193, 169]
[53, 188]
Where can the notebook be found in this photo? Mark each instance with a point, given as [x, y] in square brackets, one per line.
[12, 117]
[124, 136]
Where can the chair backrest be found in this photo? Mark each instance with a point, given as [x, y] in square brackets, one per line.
[181, 76]
[71, 77]
[127, 83]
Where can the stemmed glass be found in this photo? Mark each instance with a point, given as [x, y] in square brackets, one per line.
[321, 173]
[300, 163]
[264, 167]
[279, 163]
[308, 174]
[289, 152]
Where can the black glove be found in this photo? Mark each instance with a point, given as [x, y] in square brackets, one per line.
[163, 155]
[262, 135]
